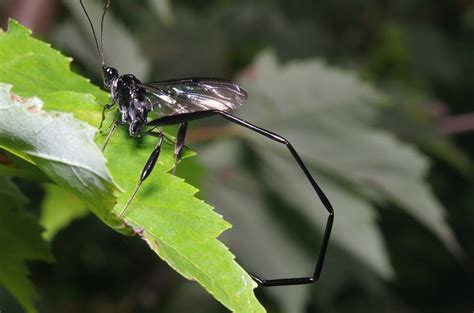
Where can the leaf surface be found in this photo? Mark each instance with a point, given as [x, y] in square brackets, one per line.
[177, 226]
[60, 145]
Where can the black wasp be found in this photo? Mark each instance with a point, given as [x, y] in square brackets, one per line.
[180, 101]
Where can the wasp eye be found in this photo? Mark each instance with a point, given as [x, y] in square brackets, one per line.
[109, 74]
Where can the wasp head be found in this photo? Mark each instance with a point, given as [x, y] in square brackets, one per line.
[109, 74]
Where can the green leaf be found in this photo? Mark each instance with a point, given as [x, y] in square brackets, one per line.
[176, 225]
[61, 146]
[20, 239]
[59, 208]
[179, 227]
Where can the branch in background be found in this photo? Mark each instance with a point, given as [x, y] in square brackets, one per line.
[37, 15]
[451, 124]
[458, 124]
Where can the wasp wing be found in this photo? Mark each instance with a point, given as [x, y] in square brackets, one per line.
[171, 97]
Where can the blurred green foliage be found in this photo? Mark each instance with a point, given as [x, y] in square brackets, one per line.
[419, 56]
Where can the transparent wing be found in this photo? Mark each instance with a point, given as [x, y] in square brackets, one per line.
[189, 95]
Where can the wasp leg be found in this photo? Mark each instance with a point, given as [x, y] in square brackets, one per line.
[112, 127]
[317, 189]
[106, 108]
[186, 117]
[169, 139]
[150, 164]
[181, 118]
[178, 147]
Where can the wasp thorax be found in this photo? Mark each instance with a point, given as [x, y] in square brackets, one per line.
[135, 129]
[109, 74]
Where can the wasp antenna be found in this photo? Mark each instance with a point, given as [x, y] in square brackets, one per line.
[93, 32]
[106, 7]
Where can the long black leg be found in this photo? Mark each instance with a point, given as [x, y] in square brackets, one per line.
[106, 107]
[317, 189]
[112, 127]
[178, 147]
[167, 138]
[181, 118]
[150, 164]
